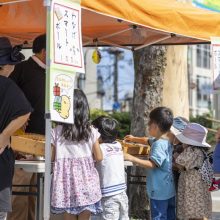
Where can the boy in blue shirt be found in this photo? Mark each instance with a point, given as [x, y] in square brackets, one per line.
[160, 182]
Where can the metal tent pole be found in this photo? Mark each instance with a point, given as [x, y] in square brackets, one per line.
[47, 179]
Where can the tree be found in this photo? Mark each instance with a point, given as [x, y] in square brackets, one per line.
[149, 64]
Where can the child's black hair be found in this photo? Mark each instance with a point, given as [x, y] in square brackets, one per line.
[81, 129]
[107, 127]
[163, 117]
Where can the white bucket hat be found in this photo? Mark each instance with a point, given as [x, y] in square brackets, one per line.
[194, 134]
[179, 123]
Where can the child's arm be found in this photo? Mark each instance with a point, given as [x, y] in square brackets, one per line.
[97, 152]
[142, 163]
[141, 140]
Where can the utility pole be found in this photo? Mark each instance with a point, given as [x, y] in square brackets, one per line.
[117, 56]
[115, 77]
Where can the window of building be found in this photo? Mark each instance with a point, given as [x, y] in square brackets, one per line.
[203, 56]
[81, 81]
[198, 56]
[204, 88]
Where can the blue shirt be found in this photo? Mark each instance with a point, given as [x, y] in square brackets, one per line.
[216, 159]
[160, 182]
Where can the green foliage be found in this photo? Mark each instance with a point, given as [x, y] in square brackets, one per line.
[122, 117]
[202, 120]
[95, 113]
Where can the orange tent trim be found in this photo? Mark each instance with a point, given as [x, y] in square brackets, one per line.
[120, 23]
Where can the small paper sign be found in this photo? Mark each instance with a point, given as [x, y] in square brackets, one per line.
[61, 103]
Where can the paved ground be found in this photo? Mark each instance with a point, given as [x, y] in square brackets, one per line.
[216, 205]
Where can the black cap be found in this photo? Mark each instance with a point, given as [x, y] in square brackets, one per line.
[8, 54]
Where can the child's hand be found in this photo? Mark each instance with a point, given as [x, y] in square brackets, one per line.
[177, 167]
[129, 137]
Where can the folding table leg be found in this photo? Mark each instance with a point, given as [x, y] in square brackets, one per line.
[41, 202]
[38, 197]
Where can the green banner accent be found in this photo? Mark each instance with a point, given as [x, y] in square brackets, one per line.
[213, 5]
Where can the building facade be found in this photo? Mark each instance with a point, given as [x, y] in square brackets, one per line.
[88, 82]
[200, 79]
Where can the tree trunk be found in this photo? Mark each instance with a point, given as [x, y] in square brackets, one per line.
[150, 63]
[175, 91]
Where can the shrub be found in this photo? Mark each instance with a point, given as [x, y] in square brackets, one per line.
[122, 117]
[95, 113]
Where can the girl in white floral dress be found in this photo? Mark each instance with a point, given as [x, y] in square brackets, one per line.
[75, 181]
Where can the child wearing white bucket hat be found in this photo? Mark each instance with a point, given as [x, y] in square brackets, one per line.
[193, 199]
[194, 134]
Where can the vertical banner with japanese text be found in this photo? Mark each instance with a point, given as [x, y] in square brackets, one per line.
[66, 57]
[216, 62]
[67, 37]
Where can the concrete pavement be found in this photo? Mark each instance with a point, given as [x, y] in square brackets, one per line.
[216, 205]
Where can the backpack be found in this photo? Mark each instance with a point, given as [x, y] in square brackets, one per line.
[206, 169]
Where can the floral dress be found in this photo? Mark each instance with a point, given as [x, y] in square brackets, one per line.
[75, 180]
[193, 197]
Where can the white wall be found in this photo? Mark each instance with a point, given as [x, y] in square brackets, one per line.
[90, 85]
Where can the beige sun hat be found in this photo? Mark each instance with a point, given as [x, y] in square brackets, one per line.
[194, 134]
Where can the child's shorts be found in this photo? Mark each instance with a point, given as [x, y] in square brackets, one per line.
[3, 215]
[114, 207]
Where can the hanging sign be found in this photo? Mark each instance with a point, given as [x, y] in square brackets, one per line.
[213, 5]
[66, 36]
[216, 62]
[66, 57]
[61, 102]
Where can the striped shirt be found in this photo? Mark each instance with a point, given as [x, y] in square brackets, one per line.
[111, 169]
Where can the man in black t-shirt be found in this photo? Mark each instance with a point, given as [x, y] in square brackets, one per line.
[14, 111]
[30, 76]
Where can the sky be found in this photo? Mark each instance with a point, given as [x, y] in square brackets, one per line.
[125, 76]
[105, 68]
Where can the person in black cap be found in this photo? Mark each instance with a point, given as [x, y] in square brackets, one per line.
[15, 111]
